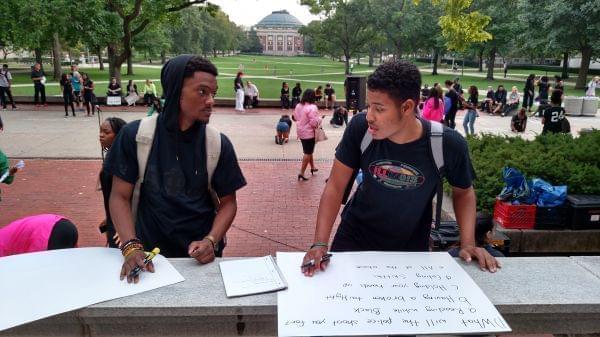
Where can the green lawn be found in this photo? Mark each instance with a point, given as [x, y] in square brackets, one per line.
[268, 72]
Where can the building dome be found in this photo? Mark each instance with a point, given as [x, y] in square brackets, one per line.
[279, 19]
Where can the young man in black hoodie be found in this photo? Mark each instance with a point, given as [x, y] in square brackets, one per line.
[176, 212]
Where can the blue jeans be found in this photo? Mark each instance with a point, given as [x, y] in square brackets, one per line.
[470, 121]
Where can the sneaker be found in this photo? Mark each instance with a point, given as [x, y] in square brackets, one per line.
[45, 105]
[66, 116]
[4, 109]
[14, 108]
[37, 105]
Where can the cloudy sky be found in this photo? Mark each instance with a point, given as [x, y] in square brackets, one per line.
[249, 12]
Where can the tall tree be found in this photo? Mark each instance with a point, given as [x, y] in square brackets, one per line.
[134, 17]
[575, 24]
[344, 30]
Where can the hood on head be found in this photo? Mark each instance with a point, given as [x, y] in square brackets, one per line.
[171, 79]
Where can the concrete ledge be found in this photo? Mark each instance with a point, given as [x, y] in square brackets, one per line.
[230, 102]
[535, 295]
[527, 241]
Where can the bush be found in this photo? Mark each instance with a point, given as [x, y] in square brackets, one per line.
[558, 159]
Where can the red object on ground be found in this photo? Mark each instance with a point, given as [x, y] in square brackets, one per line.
[514, 216]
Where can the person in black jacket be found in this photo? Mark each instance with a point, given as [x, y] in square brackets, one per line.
[528, 92]
[296, 94]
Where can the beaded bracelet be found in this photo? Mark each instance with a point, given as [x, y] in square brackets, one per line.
[131, 250]
[129, 242]
[319, 244]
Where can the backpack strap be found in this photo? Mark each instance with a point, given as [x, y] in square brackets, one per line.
[143, 139]
[436, 141]
[213, 153]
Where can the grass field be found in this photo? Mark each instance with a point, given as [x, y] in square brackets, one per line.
[268, 72]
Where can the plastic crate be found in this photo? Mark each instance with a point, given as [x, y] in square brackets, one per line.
[550, 217]
[583, 211]
[514, 216]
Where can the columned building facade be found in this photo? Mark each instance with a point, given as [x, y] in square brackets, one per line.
[278, 34]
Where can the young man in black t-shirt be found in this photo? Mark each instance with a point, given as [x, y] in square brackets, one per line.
[391, 209]
[453, 95]
[554, 116]
[176, 212]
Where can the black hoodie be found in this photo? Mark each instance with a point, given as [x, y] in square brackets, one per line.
[175, 207]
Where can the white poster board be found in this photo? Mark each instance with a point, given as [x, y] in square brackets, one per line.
[38, 285]
[383, 293]
[113, 100]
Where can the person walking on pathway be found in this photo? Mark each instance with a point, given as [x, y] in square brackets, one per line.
[5, 84]
[238, 88]
[89, 99]
[76, 82]
[67, 92]
[306, 116]
[471, 115]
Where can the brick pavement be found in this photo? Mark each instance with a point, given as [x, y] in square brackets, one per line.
[272, 208]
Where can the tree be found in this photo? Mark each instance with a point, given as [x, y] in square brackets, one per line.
[251, 43]
[134, 17]
[343, 33]
[503, 28]
[574, 25]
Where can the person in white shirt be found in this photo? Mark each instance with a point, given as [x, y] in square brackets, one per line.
[5, 83]
[591, 87]
[251, 93]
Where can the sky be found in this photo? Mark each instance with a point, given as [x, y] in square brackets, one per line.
[249, 12]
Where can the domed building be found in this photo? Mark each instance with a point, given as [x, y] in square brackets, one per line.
[278, 34]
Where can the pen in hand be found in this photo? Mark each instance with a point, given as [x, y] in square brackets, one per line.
[311, 263]
[149, 256]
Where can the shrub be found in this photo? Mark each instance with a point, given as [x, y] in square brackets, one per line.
[558, 159]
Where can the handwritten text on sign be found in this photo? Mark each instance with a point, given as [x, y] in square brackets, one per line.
[375, 293]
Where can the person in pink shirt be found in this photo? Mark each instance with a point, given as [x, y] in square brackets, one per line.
[37, 233]
[307, 120]
[433, 108]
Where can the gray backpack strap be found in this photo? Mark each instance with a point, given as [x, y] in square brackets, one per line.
[366, 141]
[436, 141]
[437, 131]
[143, 139]
[213, 152]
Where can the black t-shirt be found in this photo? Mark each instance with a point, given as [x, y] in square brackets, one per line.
[453, 100]
[285, 92]
[175, 207]
[238, 84]
[500, 96]
[88, 87]
[391, 210]
[553, 118]
[37, 73]
[519, 123]
[67, 87]
[329, 92]
[490, 94]
[543, 90]
[296, 92]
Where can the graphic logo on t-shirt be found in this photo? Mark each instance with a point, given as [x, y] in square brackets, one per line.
[396, 175]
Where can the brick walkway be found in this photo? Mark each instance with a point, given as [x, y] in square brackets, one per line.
[266, 221]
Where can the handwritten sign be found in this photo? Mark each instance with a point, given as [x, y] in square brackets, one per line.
[379, 293]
